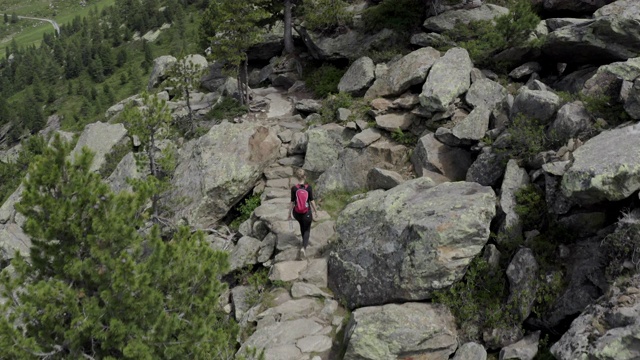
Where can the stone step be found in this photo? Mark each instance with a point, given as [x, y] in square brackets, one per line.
[272, 193]
[278, 172]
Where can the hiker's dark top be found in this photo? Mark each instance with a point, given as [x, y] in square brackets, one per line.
[295, 188]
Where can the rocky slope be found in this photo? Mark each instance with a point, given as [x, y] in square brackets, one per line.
[426, 209]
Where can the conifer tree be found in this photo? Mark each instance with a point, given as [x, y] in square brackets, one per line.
[151, 123]
[184, 76]
[6, 18]
[231, 27]
[96, 287]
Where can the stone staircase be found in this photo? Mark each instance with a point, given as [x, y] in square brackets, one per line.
[300, 320]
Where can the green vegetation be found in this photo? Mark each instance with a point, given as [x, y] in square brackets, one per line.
[96, 287]
[335, 201]
[331, 104]
[245, 209]
[400, 15]
[603, 107]
[231, 28]
[152, 124]
[404, 138]
[325, 15]
[622, 246]
[12, 173]
[479, 301]
[113, 158]
[483, 40]
[227, 109]
[531, 207]
[324, 80]
[527, 138]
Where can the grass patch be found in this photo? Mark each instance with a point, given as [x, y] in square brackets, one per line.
[227, 109]
[335, 201]
[244, 210]
[63, 13]
[323, 80]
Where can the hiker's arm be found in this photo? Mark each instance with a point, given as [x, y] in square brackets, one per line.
[290, 212]
[313, 206]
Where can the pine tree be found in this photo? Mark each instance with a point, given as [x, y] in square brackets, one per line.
[184, 76]
[151, 123]
[6, 18]
[96, 287]
[231, 28]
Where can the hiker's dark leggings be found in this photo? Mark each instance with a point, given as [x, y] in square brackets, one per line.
[305, 226]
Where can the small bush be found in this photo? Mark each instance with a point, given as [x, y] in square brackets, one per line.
[400, 15]
[531, 207]
[336, 201]
[227, 108]
[483, 39]
[113, 158]
[404, 138]
[245, 209]
[479, 300]
[603, 107]
[527, 138]
[622, 247]
[331, 105]
[324, 80]
[325, 15]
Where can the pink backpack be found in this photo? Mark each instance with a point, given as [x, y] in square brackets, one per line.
[302, 199]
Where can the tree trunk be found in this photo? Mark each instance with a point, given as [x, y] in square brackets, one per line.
[288, 34]
[240, 94]
[191, 125]
[246, 80]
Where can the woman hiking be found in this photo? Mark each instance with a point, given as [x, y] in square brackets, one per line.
[301, 198]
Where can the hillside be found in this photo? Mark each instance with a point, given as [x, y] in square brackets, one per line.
[475, 166]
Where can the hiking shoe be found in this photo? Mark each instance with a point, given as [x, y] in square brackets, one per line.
[303, 254]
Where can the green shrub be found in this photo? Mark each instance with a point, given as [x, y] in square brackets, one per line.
[400, 15]
[11, 174]
[404, 138]
[227, 108]
[531, 207]
[324, 80]
[331, 105]
[245, 209]
[622, 247]
[325, 15]
[483, 40]
[479, 300]
[334, 201]
[527, 138]
[113, 158]
[603, 107]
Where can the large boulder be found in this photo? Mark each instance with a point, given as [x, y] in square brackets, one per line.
[426, 331]
[540, 105]
[487, 169]
[349, 45]
[410, 70]
[450, 77]
[608, 80]
[606, 330]
[216, 170]
[358, 78]
[606, 167]
[572, 120]
[486, 93]
[574, 6]
[100, 138]
[612, 35]
[349, 172]
[323, 147]
[270, 45]
[515, 178]
[405, 243]
[522, 273]
[432, 155]
[468, 131]
[160, 67]
[632, 105]
[449, 19]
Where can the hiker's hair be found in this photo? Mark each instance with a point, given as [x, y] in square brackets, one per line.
[300, 174]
